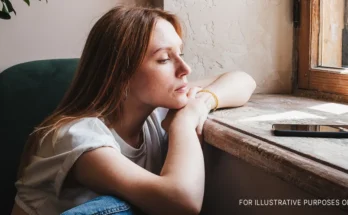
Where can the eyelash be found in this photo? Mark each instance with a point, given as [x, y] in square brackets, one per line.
[165, 60]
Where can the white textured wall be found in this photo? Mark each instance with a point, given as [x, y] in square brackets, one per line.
[57, 29]
[255, 36]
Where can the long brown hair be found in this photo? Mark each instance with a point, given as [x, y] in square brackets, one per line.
[114, 49]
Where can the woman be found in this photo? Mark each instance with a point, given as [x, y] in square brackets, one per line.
[106, 138]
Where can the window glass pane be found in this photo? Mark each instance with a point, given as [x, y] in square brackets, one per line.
[333, 37]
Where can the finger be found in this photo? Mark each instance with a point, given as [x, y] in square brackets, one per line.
[200, 138]
[189, 93]
[193, 91]
[196, 90]
[199, 128]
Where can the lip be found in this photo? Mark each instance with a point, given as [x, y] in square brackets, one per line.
[182, 88]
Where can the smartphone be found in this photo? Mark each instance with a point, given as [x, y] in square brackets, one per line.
[297, 130]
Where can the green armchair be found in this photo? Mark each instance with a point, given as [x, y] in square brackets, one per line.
[29, 92]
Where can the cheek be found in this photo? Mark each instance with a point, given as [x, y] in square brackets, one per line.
[151, 86]
[157, 81]
[154, 83]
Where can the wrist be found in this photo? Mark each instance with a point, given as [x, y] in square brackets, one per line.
[208, 99]
[182, 118]
[179, 123]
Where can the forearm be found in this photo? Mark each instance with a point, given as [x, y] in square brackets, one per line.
[233, 89]
[184, 165]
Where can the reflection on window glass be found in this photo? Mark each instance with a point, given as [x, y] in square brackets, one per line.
[333, 37]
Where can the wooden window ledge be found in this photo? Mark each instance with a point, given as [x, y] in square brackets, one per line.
[316, 165]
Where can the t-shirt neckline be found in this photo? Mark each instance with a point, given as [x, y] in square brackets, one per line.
[128, 150]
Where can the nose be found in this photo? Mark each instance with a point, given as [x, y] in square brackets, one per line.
[183, 69]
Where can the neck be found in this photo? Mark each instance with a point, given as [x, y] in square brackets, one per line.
[129, 126]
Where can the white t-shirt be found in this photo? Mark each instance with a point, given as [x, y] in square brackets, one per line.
[40, 191]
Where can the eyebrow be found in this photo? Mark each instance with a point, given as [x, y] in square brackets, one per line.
[166, 48]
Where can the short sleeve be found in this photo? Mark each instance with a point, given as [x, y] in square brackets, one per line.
[76, 138]
[159, 115]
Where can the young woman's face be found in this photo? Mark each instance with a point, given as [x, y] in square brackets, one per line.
[162, 77]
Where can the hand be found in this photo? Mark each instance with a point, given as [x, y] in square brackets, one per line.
[196, 111]
[191, 94]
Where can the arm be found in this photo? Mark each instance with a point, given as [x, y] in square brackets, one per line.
[177, 190]
[233, 89]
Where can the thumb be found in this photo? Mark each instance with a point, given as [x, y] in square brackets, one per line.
[199, 129]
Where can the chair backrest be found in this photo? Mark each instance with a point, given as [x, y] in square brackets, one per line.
[29, 92]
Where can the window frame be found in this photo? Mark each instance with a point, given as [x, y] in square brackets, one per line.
[311, 77]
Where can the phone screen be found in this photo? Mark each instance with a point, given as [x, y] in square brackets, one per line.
[311, 128]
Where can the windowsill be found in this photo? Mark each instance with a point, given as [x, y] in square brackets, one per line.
[332, 70]
[314, 94]
[316, 165]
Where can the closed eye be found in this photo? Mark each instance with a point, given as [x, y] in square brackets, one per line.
[163, 61]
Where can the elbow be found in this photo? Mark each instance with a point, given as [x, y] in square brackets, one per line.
[191, 207]
[245, 80]
[191, 200]
[194, 206]
[246, 88]
[248, 82]
[251, 85]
